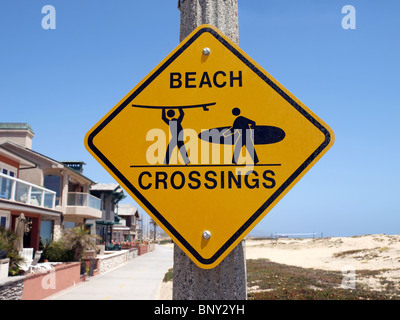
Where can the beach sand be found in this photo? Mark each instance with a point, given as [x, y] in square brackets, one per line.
[344, 254]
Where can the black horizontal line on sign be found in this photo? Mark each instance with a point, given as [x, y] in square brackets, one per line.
[206, 165]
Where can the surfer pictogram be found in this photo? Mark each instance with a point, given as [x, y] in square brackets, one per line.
[175, 127]
[246, 133]
[243, 132]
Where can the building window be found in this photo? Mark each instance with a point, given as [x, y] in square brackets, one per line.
[5, 183]
[69, 225]
[8, 170]
[5, 188]
[3, 221]
[5, 218]
[46, 231]
[53, 182]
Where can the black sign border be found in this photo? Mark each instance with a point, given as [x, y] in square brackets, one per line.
[270, 200]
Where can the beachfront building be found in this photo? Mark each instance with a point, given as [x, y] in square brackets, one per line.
[50, 194]
[109, 194]
[24, 197]
[128, 227]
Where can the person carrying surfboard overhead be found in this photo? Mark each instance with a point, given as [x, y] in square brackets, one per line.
[176, 130]
[243, 132]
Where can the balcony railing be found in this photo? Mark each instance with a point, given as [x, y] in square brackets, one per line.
[80, 199]
[17, 190]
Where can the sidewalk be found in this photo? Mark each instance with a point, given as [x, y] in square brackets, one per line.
[139, 279]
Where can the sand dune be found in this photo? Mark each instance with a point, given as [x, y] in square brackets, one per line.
[377, 252]
[369, 252]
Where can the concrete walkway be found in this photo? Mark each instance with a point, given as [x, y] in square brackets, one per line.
[138, 279]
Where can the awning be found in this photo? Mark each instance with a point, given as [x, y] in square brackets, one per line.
[105, 223]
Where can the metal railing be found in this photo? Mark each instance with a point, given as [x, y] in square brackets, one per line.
[81, 199]
[14, 189]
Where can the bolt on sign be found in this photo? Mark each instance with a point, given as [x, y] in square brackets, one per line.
[208, 143]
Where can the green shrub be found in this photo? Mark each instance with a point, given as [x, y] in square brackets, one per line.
[274, 281]
[169, 276]
[7, 243]
[56, 251]
[79, 239]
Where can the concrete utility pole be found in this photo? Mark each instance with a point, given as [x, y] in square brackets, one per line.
[222, 14]
[227, 281]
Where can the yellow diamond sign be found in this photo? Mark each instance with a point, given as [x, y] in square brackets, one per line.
[208, 143]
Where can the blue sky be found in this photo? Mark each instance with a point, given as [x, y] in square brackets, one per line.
[63, 81]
